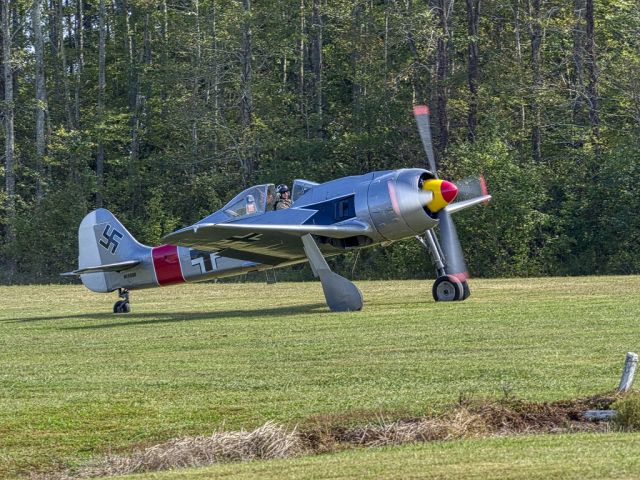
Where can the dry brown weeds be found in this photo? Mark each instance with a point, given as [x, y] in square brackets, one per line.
[266, 442]
[468, 419]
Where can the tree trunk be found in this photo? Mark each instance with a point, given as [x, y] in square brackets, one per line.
[535, 33]
[101, 91]
[246, 102]
[592, 70]
[301, 72]
[54, 42]
[10, 180]
[316, 63]
[41, 96]
[164, 33]
[135, 102]
[517, 27]
[285, 20]
[197, 68]
[578, 94]
[356, 87]
[419, 95]
[79, 45]
[444, 8]
[63, 63]
[216, 70]
[473, 20]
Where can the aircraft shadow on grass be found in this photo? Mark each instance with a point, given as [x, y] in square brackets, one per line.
[174, 317]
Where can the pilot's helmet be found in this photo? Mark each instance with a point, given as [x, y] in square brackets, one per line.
[282, 188]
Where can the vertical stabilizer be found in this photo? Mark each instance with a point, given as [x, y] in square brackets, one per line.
[103, 240]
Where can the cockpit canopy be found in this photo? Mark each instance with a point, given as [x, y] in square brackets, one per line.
[259, 199]
[252, 201]
[300, 187]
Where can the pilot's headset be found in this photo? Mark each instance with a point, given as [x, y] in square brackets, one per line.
[282, 188]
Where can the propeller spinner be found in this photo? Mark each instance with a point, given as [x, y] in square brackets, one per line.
[443, 193]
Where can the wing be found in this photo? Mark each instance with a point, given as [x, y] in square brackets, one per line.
[111, 267]
[263, 243]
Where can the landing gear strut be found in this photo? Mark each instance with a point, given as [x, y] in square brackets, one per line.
[341, 294]
[122, 306]
[446, 288]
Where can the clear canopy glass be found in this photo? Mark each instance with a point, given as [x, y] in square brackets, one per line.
[252, 201]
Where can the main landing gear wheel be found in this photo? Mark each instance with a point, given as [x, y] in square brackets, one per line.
[448, 288]
[465, 290]
[122, 306]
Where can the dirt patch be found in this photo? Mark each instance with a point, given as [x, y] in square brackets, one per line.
[467, 419]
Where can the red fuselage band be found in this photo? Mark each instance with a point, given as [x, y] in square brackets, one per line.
[167, 265]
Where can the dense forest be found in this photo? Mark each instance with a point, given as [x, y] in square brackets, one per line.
[162, 110]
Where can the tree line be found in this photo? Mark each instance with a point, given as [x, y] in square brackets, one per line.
[162, 110]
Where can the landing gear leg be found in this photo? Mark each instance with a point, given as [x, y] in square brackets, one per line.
[341, 294]
[446, 288]
[122, 306]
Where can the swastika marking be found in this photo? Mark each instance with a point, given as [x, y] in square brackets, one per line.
[110, 238]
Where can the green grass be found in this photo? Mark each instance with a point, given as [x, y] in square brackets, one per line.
[530, 457]
[77, 381]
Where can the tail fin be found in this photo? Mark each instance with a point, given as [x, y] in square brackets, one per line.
[104, 242]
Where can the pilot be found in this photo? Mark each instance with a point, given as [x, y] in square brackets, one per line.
[251, 204]
[284, 201]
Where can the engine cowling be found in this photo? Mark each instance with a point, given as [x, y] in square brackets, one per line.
[397, 203]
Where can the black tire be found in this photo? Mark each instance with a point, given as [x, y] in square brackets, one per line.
[465, 291]
[121, 306]
[447, 289]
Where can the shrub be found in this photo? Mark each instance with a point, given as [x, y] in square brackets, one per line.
[628, 416]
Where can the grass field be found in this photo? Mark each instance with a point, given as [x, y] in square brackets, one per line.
[77, 381]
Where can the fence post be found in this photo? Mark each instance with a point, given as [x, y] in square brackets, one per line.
[630, 364]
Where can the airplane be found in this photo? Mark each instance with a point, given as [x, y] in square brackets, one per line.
[248, 234]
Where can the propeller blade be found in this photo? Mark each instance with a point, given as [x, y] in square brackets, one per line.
[450, 244]
[421, 113]
[471, 187]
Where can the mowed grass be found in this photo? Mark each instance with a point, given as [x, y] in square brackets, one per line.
[77, 381]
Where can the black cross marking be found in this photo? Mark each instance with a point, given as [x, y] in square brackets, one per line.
[249, 238]
[203, 259]
[109, 240]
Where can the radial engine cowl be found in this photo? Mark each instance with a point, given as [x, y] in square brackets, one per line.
[397, 204]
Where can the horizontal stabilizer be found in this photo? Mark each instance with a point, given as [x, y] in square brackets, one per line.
[454, 207]
[111, 267]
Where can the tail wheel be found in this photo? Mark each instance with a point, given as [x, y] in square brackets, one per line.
[122, 306]
[448, 288]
